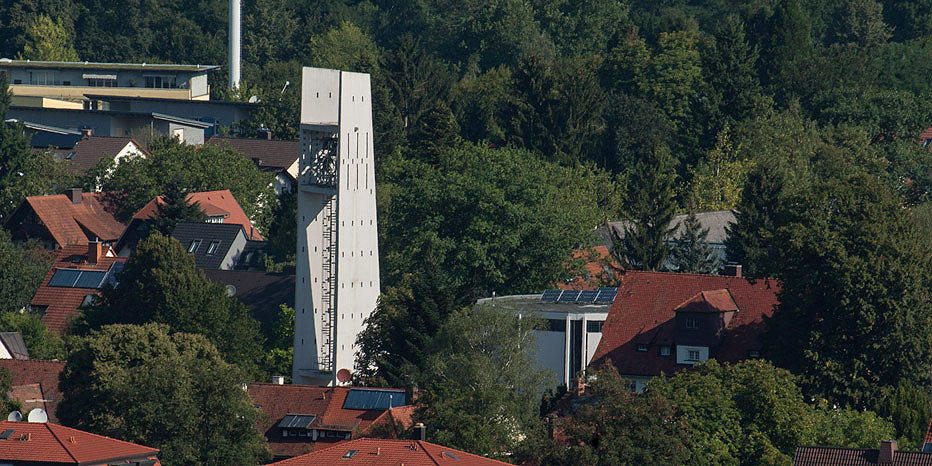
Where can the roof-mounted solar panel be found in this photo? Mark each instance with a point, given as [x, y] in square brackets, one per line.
[606, 295]
[550, 296]
[372, 398]
[569, 296]
[297, 421]
[587, 296]
[90, 279]
[65, 277]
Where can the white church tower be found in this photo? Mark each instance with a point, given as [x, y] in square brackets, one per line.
[337, 270]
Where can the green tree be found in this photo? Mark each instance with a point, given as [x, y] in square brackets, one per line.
[675, 73]
[399, 335]
[786, 50]
[26, 266]
[906, 406]
[481, 384]
[730, 69]
[718, 179]
[48, 40]
[644, 244]
[279, 353]
[753, 413]
[41, 343]
[175, 209]
[6, 404]
[494, 219]
[161, 284]
[853, 304]
[691, 252]
[170, 391]
[282, 237]
[613, 426]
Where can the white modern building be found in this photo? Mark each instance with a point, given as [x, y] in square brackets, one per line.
[572, 329]
[337, 269]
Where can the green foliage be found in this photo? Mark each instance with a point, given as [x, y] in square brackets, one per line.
[48, 40]
[614, 426]
[175, 209]
[652, 208]
[279, 353]
[853, 303]
[399, 335]
[41, 343]
[137, 181]
[27, 266]
[907, 407]
[691, 253]
[481, 384]
[6, 404]
[494, 219]
[753, 413]
[675, 73]
[717, 181]
[170, 391]
[282, 237]
[161, 284]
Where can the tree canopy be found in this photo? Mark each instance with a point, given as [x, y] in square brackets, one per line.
[171, 391]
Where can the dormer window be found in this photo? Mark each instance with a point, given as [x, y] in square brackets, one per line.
[194, 245]
[212, 247]
[665, 350]
[642, 347]
[692, 355]
[692, 322]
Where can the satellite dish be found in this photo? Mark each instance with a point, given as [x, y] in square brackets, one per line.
[15, 416]
[231, 290]
[38, 416]
[344, 375]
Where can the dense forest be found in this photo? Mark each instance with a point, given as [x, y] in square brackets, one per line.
[507, 130]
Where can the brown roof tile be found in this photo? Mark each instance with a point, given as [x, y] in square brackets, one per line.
[837, 456]
[372, 452]
[70, 223]
[213, 203]
[36, 372]
[269, 155]
[51, 443]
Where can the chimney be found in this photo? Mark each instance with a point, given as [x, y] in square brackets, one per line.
[86, 133]
[887, 449]
[278, 379]
[733, 270]
[94, 251]
[420, 432]
[234, 43]
[75, 195]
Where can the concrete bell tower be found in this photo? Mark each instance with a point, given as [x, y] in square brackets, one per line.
[337, 269]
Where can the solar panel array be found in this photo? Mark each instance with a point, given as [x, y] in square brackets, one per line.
[372, 398]
[604, 295]
[75, 278]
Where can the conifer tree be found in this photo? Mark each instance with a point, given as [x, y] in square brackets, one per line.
[175, 209]
[691, 253]
[651, 192]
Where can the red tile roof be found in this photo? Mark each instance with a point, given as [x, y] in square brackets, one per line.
[372, 452]
[324, 402]
[70, 223]
[52, 443]
[213, 203]
[31, 372]
[62, 304]
[837, 456]
[644, 310]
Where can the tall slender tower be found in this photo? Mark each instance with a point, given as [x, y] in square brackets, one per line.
[337, 276]
[234, 45]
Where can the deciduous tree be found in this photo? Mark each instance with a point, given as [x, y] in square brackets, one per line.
[171, 391]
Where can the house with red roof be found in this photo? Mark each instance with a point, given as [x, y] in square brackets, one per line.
[374, 452]
[218, 206]
[35, 383]
[45, 443]
[64, 219]
[305, 418]
[663, 322]
[75, 280]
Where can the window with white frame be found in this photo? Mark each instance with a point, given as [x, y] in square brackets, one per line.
[44, 78]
